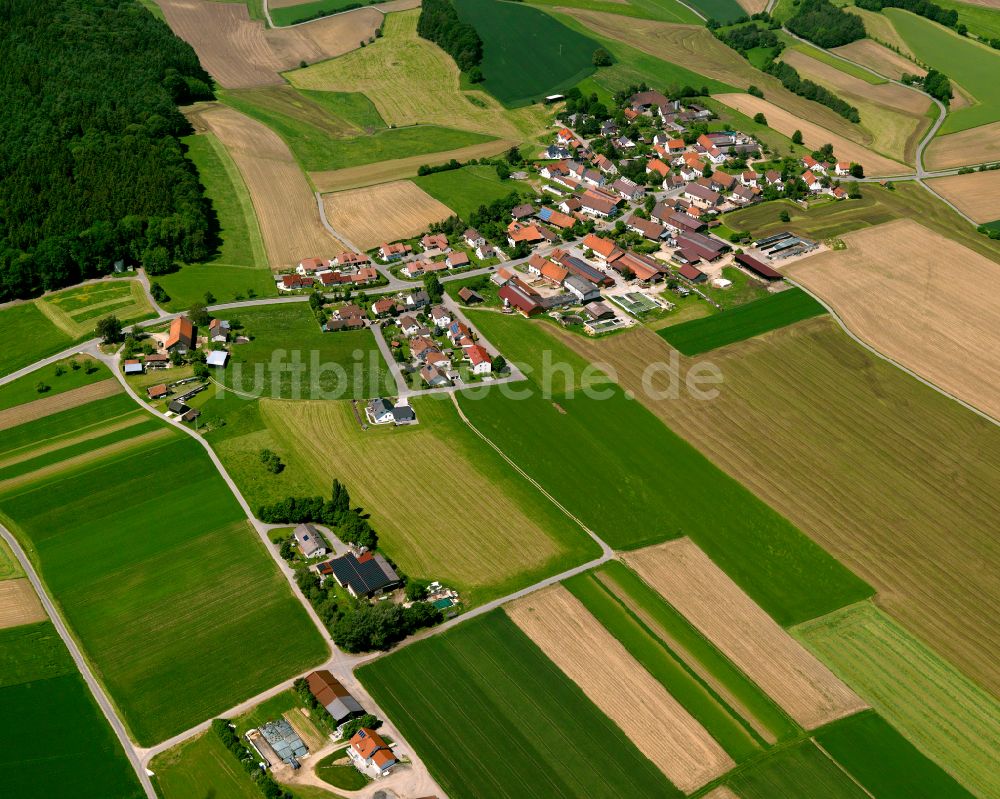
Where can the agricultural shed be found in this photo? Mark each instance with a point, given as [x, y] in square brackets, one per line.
[133, 367]
[333, 696]
[217, 358]
[285, 742]
[759, 268]
[364, 576]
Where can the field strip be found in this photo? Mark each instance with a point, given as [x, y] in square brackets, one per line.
[685, 576]
[722, 792]
[621, 595]
[242, 194]
[401, 168]
[976, 194]
[30, 451]
[82, 460]
[19, 604]
[848, 774]
[58, 317]
[590, 656]
[40, 408]
[605, 549]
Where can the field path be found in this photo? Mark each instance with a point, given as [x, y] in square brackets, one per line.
[96, 690]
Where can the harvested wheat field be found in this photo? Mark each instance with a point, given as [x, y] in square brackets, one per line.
[399, 168]
[898, 482]
[895, 115]
[976, 194]
[973, 146]
[590, 656]
[875, 56]
[813, 135]
[387, 212]
[752, 7]
[880, 27]
[285, 206]
[802, 686]
[29, 411]
[722, 792]
[905, 290]
[19, 604]
[240, 52]
[412, 81]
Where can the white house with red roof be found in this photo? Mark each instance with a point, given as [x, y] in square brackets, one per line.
[480, 359]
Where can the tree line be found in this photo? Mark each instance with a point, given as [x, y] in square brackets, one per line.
[439, 23]
[91, 169]
[336, 513]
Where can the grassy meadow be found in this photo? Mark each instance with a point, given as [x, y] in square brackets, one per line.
[321, 141]
[239, 268]
[884, 762]
[76, 310]
[290, 357]
[440, 531]
[664, 10]
[464, 190]
[948, 717]
[301, 12]
[968, 63]
[36, 335]
[133, 560]
[742, 322]
[25, 389]
[583, 448]
[55, 733]
[797, 771]
[527, 54]
[487, 680]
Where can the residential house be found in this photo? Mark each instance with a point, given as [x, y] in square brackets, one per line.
[365, 575]
[434, 241]
[646, 227]
[531, 234]
[773, 178]
[473, 238]
[480, 359]
[408, 325]
[585, 175]
[457, 259]
[484, 251]
[434, 377]
[721, 181]
[334, 697]
[371, 752]
[598, 203]
[556, 218]
[218, 330]
[553, 171]
[554, 151]
[459, 331]
[522, 211]
[623, 143]
[811, 181]
[838, 193]
[181, 337]
[603, 249]
[750, 178]
[745, 195]
[349, 311]
[418, 299]
[842, 168]
[603, 163]
[675, 146]
[702, 197]
[310, 542]
[310, 266]
[441, 316]
[354, 260]
[565, 136]
[421, 348]
[813, 165]
[393, 252]
[629, 189]
[158, 391]
[384, 307]
[655, 165]
[294, 281]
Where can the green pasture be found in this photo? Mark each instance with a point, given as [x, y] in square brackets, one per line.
[720, 10]
[972, 65]
[664, 10]
[202, 767]
[289, 15]
[50, 429]
[527, 54]
[153, 576]
[290, 357]
[982, 20]
[25, 389]
[798, 771]
[464, 190]
[884, 762]
[54, 741]
[35, 335]
[528, 728]
[742, 322]
[583, 447]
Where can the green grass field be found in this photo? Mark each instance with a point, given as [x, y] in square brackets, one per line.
[289, 356]
[134, 561]
[742, 322]
[882, 760]
[981, 20]
[54, 741]
[301, 12]
[24, 389]
[798, 771]
[656, 657]
[527, 54]
[720, 10]
[464, 190]
[971, 65]
[516, 539]
[35, 335]
[321, 141]
[948, 717]
[202, 766]
[528, 728]
[240, 266]
[664, 10]
[75, 311]
[584, 449]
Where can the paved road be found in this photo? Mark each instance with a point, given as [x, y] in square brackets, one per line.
[96, 689]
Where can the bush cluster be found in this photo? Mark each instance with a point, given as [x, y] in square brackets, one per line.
[264, 781]
[439, 23]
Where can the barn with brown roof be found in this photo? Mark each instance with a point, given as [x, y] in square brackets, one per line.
[333, 696]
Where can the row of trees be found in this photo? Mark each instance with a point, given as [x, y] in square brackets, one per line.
[824, 24]
[923, 8]
[439, 23]
[336, 513]
[935, 83]
[91, 169]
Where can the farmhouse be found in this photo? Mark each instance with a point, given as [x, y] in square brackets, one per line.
[643, 268]
[646, 227]
[517, 297]
[364, 576]
[310, 542]
[333, 696]
[158, 391]
[181, 335]
[370, 752]
[556, 218]
[603, 249]
[701, 196]
[381, 411]
[582, 269]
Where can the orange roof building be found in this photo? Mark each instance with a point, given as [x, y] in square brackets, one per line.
[181, 334]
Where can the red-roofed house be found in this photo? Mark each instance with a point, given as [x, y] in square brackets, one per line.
[603, 249]
[657, 166]
[480, 360]
[310, 266]
[516, 232]
[811, 181]
[181, 336]
[348, 258]
[842, 168]
[370, 751]
[393, 252]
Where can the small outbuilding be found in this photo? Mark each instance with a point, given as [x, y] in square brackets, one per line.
[217, 358]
